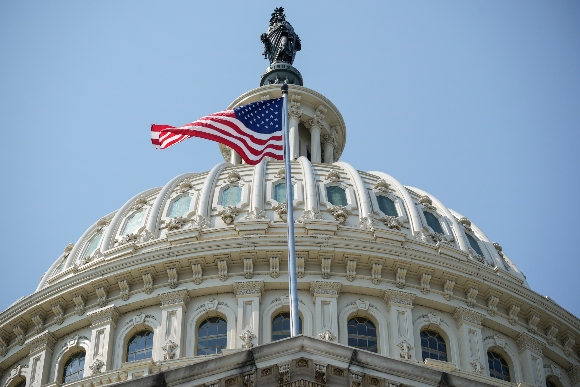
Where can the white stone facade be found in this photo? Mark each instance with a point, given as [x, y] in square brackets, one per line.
[140, 268]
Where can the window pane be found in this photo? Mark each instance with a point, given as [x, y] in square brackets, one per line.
[93, 244]
[433, 346]
[231, 196]
[74, 367]
[362, 334]
[336, 195]
[280, 192]
[281, 326]
[212, 336]
[140, 346]
[133, 222]
[474, 245]
[498, 367]
[179, 207]
[433, 222]
[387, 206]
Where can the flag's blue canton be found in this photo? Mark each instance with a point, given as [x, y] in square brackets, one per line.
[263, 116]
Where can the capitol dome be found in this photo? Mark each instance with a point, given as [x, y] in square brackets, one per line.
[187, 284]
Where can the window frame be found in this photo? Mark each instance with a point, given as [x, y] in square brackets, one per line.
[505, 359]
[197, 336]
[349, 192]
[66, 363]
[276, 314]
[131, 336]
[298, 198]
[447, 344]
[372, 321]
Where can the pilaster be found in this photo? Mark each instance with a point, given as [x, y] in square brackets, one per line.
[472, 354]
[530, 348]
[103, 324]
[294, 115]
[173, 308]
[40, 358]
[400, 319]
[248, 294]
[325, 295]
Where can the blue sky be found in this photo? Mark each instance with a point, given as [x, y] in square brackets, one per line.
[475, 102]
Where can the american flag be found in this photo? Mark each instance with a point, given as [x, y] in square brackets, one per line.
[253, 130]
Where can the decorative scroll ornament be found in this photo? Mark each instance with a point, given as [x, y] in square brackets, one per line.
[281, 173]
[184, 186]
[327, 336]
[281, 210]
[280, 41]
[170, 350]
[97, 366]
[333, 175]
[247, 338]
[199, 221]
[382, 186]
[255, 214]
[465, 222]
[477, 366]
[426, 202]
[228, 214]
[405, 349]
[340, 213]
[68, 249]
[392, 222]
[428, 236]
[139, 203]
[367, 223]
[310, 215]
[233, 177]
[176, 223]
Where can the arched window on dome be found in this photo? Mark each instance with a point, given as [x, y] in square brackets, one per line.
[362, 334]
[140, 346]
[280, 192]
[433, 222]
[336, 195]
[498, 366]
[474, 244]
[281, 326]
[433, 345]
[212, 336]
[387, 205]
[133, 222]
[179, 207]
[92, 245]
[231, 196]
[74, 368]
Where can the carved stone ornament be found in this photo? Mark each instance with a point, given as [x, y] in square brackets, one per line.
[382, 186]
[333, 175]
[184, 186]
[392, 222]
[68, 249]
[340, 213]
[14, 373]
[355, 380]
[96, 367]
[176, 223]
[255, 214]
[499, 341]
[281, 210]
[178, 297]
[228, 214]
[327, 336]
[199, 221]
[325, 289]
[320, 373]
[73, 341]
[302, 363]
[433, 318]
[465, 315]
[139, 203]
[248, 380]
[397, 297]
[367, 223]
[362, 304]
[169, 350]
[248, 288]
[477, 366]
[247, 338]
[283, 373]
[376, 270]
[233, 177]
[311, 215]
[405, 349]
[107, 315]
[426, 202]
[41, 343]
[281, 173]
[465, 223]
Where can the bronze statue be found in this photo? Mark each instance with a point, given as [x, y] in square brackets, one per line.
[280, 42]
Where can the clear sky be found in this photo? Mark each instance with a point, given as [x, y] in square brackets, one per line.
[475, 102]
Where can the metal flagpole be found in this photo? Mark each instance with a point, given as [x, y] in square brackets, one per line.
[294, 319]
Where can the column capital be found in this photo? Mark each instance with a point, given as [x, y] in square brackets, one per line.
[42, 342]
[175, 298]
[469, 316]
[399, 298]
[248, 289]
[325, 289]
[107, 315]
[526, 341]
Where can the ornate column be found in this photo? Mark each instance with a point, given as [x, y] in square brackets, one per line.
[530, 348]
[103, 324]
[294, 115]
[40, 358]
[235, 158]
[315, 125]
[173, 308]
[472, 355]
[325, 308]
[400, 319]
[249, 294]
[329, 141]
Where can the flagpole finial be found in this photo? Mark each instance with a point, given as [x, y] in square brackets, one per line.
[284, 88]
